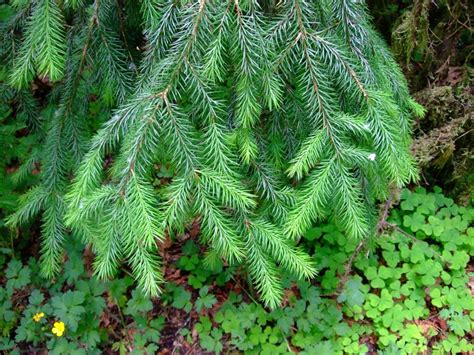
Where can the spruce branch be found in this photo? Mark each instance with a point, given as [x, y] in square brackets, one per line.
[270, 117]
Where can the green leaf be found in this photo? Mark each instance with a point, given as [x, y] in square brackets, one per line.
[181, 298]
[139, 303]
[377, 283]
[36, 298]
[205, 300]
[352, 294]
[69, 308]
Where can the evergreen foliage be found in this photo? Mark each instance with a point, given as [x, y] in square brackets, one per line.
[273, 115]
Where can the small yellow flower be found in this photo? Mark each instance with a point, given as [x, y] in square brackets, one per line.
[58, 328]
[37, 317]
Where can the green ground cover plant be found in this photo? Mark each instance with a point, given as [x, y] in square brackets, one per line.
[403, 292]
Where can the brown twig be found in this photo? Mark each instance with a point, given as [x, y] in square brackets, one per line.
[413, 238]
[381, 226]
[348, 267]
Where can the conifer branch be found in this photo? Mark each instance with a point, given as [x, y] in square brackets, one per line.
[270, 118]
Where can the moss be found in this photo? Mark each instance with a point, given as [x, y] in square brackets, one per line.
[443, 148]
